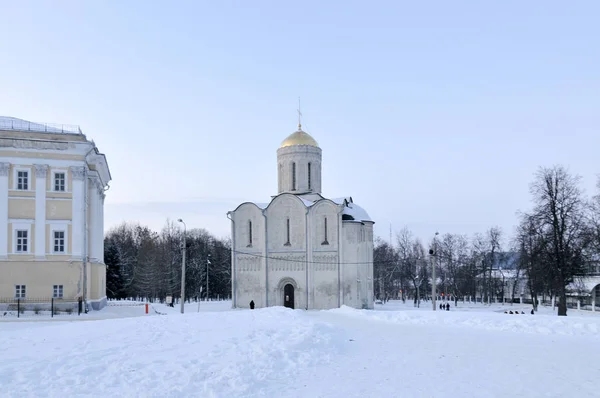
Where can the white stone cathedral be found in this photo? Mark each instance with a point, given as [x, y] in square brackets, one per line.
[301, 250]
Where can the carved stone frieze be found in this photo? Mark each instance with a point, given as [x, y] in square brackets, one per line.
[249, 264]
[11, 143]
[325, 262]
[41, 170]
[287, 263]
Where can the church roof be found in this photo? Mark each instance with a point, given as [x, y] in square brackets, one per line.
[352, 211]
[299, 138]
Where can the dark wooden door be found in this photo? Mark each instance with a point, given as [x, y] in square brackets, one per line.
[288, 296]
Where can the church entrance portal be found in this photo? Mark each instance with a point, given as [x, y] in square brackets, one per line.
[288, 296]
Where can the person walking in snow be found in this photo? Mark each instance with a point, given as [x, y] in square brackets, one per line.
[252, 304]
[447, 306]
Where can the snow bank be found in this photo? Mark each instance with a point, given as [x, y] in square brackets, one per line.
[232, 353]
[521, 323]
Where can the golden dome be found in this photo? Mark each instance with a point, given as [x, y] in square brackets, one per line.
[299, 138]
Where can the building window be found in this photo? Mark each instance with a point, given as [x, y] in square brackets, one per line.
[309, 177]
[22, 241]
[20, 291]
[22, 180]
[293, 176]
[325, 242]
[280, 177]
[287, 232]
[60, 182]
[249, 233]
[59, 241]
[57, 291]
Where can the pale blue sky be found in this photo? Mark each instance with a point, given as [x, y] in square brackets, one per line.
[433, 115]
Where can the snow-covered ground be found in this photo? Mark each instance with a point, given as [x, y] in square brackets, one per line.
[394, 351]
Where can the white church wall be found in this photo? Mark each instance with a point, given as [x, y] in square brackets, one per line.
[368, 253]
[325, 280]
[349, 271]
[285, 267]
[323, 275]
[357, 270]
[318, 213]
[249, 212]
[282, 209]
[250, 281]
[249, 258]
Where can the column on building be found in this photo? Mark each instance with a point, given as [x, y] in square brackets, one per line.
[102, 197]
[4, 169]
[93, 218]
[77, 231]
[41, 174]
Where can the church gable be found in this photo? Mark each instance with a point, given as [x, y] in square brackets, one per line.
[324, 225]
[286, 223]
[249, 227]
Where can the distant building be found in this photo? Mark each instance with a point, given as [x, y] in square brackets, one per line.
[302, 250]
[52, 189]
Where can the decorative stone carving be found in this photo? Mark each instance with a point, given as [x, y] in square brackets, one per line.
[41, 170]
[249, 264]
[78, 172]
[287, 263]
[4, 167]
[10, 143]
[325, 262]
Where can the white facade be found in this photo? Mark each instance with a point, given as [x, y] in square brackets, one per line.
[301, 250]
[52, 189]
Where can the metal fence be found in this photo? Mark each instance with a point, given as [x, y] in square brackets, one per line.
[8, 123]
[28, 307]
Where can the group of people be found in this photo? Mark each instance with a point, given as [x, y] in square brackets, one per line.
[445, 306]
[517, 312]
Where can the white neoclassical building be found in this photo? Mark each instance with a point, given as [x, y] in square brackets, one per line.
[52, 188]
[301, 250]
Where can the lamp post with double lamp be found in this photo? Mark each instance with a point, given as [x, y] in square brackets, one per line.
[183, 265]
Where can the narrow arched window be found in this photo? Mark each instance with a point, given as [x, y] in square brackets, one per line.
[293, 176]
[280, 177]
[309, 177]
[249, 233]
[325, 242]
[287, 232]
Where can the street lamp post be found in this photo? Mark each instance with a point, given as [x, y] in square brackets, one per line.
[183, 265]
[418, 283]
[432, 255]
[502, 273]
[207, 264]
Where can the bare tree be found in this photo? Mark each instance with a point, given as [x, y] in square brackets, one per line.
[559, 214]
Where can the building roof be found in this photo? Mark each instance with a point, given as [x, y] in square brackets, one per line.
[299, 138]
[8, 123]
[352, 211]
